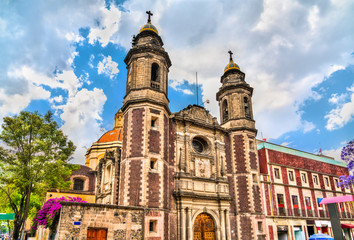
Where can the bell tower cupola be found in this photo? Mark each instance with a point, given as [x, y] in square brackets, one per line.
[147, 68]
[234, 97]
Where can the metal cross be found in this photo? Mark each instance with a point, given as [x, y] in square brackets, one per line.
[149, 14]
[230, 55]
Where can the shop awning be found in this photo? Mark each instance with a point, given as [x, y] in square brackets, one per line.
[346, 198]
[347, 225]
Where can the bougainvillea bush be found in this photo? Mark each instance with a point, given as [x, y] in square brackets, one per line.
[48, 215]
[347, 155]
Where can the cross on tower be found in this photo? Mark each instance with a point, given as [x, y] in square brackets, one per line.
[149, 14]
[230, 55]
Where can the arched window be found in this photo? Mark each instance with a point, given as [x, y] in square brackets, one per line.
[78, 184]
[247, 108]
[225, 111]
[155, 80]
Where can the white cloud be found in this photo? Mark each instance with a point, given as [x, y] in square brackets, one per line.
[308, 126]
[341, 115]
[108, 67]
[108, 25]
[334, 153]
[187, 92]
[82, 118]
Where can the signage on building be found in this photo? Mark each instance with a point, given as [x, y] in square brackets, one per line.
[323, 224]
[7, 216]
[282, 228]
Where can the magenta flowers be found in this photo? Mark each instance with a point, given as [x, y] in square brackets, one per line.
[50, 211]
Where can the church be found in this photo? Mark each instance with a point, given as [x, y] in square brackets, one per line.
[164, 175]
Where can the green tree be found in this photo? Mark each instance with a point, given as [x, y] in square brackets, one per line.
[34, 159]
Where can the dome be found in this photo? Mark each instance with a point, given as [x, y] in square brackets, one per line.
[231, 65]
[112, 136]
[149, 27]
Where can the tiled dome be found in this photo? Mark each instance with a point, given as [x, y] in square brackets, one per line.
[112, 136]
[149, 27]
[231, 65]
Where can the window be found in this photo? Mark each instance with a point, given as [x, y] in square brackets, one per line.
[247, 108]
[303, 177]
[154, 123]
[291, 175]
[326, 181]
[78, 184]
[199, 144]
[280, 198]
[336, 182]
[276, 173]
[260, 227]
[225, 111]
[308, 202]
[295, 201]
[251, 146]
[254, 177]
[107, 174]
[153, 164]
[155, 81]
[153, 226]
[315, 179]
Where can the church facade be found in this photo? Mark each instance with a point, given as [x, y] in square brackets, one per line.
[174, 175]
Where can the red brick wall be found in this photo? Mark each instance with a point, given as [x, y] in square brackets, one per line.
[228, 154]
[305, 163]
[125, 134]
[266, 197]
[257, 201]
[166, 184]
[153, 183]
[239, 154]
[288, 201]
[253, 160]
[232, 193]
[134, 191]
[172, 139]
[246, 228]
[165, 137]
[136, 141]
[154, 141]
[263, 167]
[271, 234]
[243, 194]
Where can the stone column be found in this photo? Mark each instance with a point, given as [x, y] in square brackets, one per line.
[228, 229]
[183, 224]
[189, 224]
[222, 224]
[103, 177]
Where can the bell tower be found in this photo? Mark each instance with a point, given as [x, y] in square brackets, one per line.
[236, 116]
[145, 172]
[147, 68]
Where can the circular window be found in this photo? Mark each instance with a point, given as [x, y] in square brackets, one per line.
[199, 145]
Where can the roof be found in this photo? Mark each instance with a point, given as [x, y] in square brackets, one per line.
[300, 153]
[112, 136]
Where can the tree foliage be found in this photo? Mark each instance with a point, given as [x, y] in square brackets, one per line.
[34, 158]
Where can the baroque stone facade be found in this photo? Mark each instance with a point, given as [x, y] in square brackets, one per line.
[193, 177]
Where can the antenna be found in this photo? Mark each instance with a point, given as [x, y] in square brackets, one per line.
[196, 84]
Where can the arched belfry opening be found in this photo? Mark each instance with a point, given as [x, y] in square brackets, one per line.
[204, 227]
[155, 80]
[225, 111]
[247, 107]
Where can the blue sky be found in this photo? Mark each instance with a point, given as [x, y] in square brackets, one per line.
[297, 55]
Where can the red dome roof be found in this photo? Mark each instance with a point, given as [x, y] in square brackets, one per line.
[111, 136]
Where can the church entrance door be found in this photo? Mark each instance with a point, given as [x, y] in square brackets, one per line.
[204, 227]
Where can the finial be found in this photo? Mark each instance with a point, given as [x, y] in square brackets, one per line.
[149, 16]
[230, 55]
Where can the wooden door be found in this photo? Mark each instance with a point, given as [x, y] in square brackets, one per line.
[204, 228]
[96, 234]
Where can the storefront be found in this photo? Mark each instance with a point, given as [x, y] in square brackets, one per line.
[282, 232]
[299, 233]
[324, 227]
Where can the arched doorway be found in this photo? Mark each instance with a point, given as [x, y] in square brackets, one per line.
[204, 227]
